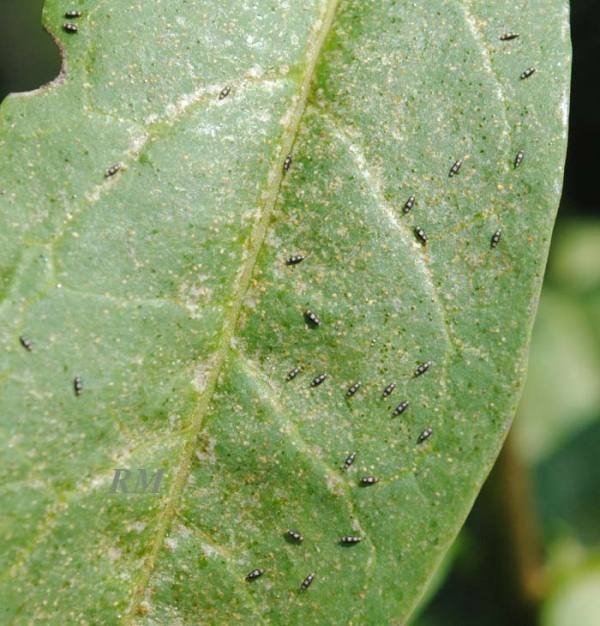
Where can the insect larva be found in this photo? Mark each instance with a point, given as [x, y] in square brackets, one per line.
[508, 36]
[455, 169]
[254, 574]
[496, 238]
[421, 369]
[400, 408]
[519, 158]
[350, 540]
[287, 163]
[72, 14]
[112, 170]
[77, 385]
[388, 390]
[527, 73]
[366, 481]
[311, 318]
[307, 582]
[409, 204]
[420, 234]
[354, 387]
[225, 92]
[317, 380]
[294, 259]
[349, 460]
[26, 343]
[293, 373]
[425, 435]
[70, 28]
[295, 536]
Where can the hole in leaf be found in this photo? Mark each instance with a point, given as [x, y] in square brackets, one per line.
[29, 58]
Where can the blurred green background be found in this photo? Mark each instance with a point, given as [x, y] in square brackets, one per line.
[530, 551]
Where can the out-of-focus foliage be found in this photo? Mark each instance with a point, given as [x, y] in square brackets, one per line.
[559, 425]
[28, 56]
[574, 584]
[562, 394]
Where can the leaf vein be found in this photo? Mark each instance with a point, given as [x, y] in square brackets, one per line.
[273, 183]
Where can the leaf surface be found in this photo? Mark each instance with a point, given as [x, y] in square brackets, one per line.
[165, 288]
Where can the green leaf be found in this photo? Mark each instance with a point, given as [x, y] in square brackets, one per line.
[164, 288]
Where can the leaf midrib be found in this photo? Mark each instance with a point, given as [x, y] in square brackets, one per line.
[273, 183]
